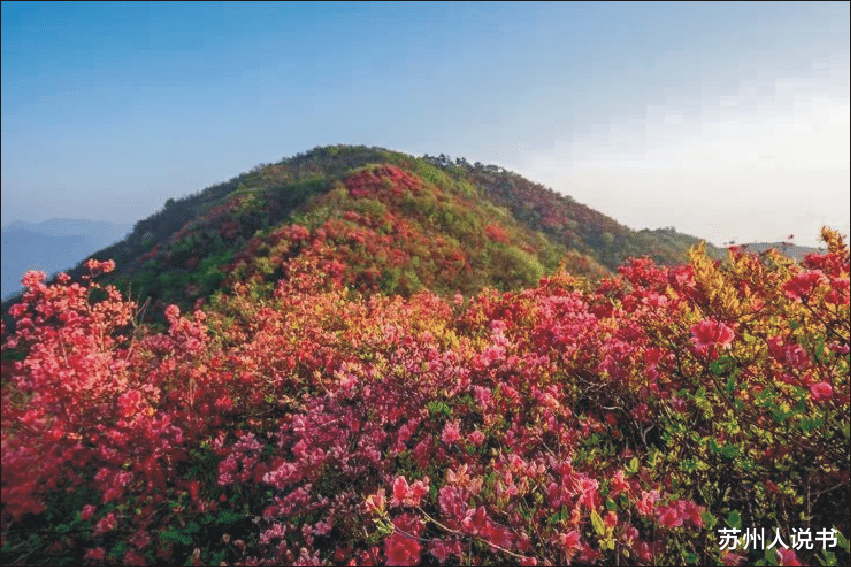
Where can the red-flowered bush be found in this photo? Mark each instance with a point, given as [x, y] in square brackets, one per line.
[552, 425]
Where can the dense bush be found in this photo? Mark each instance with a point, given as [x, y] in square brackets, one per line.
[627, 423]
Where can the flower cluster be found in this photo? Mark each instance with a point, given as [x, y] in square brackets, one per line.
[309, 425]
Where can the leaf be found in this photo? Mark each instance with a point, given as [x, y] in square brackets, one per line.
[730, 451]
[829, 557]
[228, 517]
[721, 365]
[708, 519]
[598, 524]
[118, 549]
[734, 519]
[632, 467]
[688, 465]
[192, 528]
[731, 384]
[770, 556]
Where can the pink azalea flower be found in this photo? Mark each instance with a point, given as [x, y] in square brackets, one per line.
[451, 432]
[476, 438]
[33, 278]
[88, 511]
[375, 502]
[787, 557]
[96, 555]
[708, 333]
[572, 542]
[619, 483]
[400, 491]
[669, 517]
[801, 286]
[401, 550]
[645, 505]
[821, 391]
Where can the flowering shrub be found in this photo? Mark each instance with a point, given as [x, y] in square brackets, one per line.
[306, 424]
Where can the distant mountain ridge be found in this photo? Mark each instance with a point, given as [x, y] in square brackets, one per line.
[63, 226]
[786, 248]
[52, 245]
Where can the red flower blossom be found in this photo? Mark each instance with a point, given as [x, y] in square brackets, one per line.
[708, 333]
[669, 517]
[33, 278]
[821, 391]
[571, 542]
[96, 555]
[402, 550]
[801, 286]
[787, 557]
[400, 491]
[451, 432]
[645, 505]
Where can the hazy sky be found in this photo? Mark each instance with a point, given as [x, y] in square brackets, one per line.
[723, 120]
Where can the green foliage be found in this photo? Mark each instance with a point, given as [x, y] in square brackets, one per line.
[514, 269]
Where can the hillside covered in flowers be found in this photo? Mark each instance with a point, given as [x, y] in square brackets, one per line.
[394, 369]
[377, 221]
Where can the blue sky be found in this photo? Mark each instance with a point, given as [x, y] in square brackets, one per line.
[725, 120]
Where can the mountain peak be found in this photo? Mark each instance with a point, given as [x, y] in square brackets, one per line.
[374, 220]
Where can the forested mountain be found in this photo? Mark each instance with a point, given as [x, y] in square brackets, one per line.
[377, 220]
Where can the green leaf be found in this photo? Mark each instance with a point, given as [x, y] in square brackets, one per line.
[730, 451]
[734, 519]
[228, 517]
[731, 384]
[713, 446]
[632, 467]
[118, 549]
[192, 528]
[597, 522]
[829, 558]
[557, 517]
[770, 556]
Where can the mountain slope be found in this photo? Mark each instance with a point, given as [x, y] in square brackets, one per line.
[376, 221]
